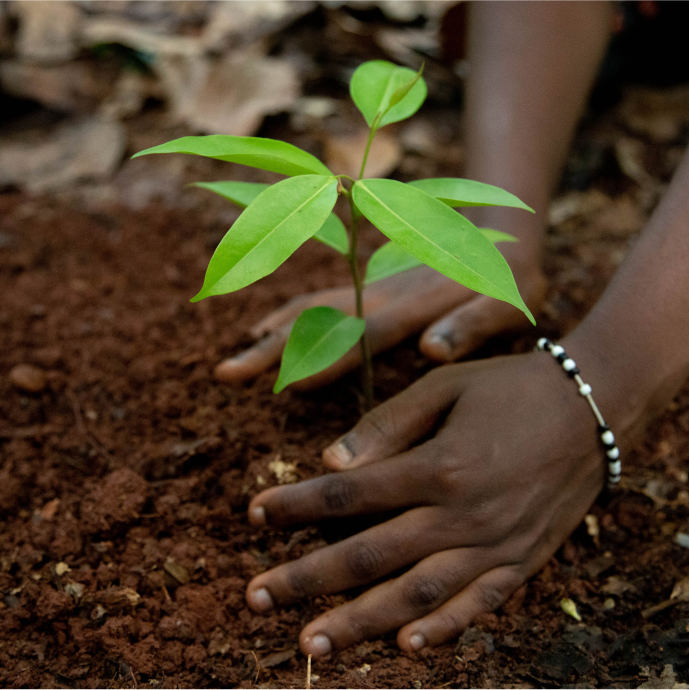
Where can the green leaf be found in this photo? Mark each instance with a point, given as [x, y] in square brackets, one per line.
[438, 236]
[240, 193]
[319, 337]
[332, 232]
[267, 154]
[389, 260]
[403, 90]
[456, 192]
[373, 85]
[496, 236]
[272, 227]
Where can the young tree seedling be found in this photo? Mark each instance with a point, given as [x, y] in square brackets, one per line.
[418, 218]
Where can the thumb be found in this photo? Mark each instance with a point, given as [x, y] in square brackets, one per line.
[468, 327]
[396, 424]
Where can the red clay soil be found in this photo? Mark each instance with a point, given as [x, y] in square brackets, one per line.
[125, 476]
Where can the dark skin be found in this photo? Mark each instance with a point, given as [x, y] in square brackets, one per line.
[516, 464]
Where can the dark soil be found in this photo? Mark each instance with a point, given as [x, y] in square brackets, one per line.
[126, 473]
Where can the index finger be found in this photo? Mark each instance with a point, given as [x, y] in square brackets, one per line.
[387, 485]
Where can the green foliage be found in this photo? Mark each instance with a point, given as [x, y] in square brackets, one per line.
[375, 84]
[271, 229]
[458, 192]
[266, 154]
[389, 260]
[439, 237]
[239, 193]
[332, 233]
[496, 236]
[417, 217]
[320, 336]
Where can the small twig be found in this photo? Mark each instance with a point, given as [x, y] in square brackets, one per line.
[258, 666]
[652, 610]
[308, 673]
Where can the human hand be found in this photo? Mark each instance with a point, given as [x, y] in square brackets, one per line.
[486, 502]
[454, 320]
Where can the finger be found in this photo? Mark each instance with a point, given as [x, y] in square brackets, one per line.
[388, 485]
[339, 298]
[485, 594]
[257, 359]
[394, 425]
[468, 327]
[472, 323]
[392, 604]
[356, 561]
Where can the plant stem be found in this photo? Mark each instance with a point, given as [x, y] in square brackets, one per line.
[366, 359]
[364, 342]
[371, 135]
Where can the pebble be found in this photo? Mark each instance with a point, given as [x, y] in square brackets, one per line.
[28, 378]
[682, 539]
[61, 568]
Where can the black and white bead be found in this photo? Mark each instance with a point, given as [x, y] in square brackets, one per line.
[607, 438]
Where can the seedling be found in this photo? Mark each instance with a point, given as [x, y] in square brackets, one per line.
[418, 218]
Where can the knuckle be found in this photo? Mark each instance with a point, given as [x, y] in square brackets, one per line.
[380, 422]
[450, 471]
[301, 584]
[490, 596]
[338, 493]
[365, 561]
[451, 624]
[423, 593]
[360, 627]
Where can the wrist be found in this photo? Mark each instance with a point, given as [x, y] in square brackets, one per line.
[630, 384]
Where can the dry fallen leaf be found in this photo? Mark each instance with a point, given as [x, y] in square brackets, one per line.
[285, 472]
[240, 90]
[344, 152]
[668, 679]
[617, 586]
[179, 572]
[75, 590]
[680, 592]
[276, 659]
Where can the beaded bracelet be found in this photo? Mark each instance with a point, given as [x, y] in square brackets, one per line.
[606, 436]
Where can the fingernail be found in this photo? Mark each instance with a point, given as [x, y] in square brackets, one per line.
[442, 342]
[416, 641]
[257, 515]
[339, 454]
[261, 600]
[319, 645]
[231, 361]
[226, 367]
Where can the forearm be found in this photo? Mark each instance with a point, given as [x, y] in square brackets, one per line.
[531, 67]
[637, 336]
